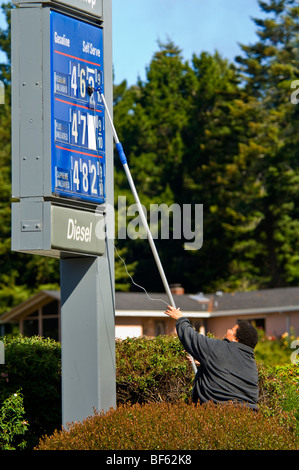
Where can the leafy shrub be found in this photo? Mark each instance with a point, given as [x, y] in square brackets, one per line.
[152, 370]
[178, 426]
[12, 423]
[279, 392]
[157, 370]
[32, 365]
[273, 351]
[148, 371]
[154, 379]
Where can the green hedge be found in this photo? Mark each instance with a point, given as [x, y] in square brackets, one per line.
[272, 350]
[152, 370]
[178, 426]
[32, 366]
[149, 372]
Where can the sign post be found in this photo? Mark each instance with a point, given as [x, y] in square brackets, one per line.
[62, 180]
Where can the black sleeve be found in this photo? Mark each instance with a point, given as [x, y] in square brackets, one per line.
[196, 344]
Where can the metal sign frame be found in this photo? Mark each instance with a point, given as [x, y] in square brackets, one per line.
[69, 228]
[35, 202]
[93, 8]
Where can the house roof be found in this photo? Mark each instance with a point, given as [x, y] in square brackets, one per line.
[154, 301]
[198, 305]
[213, 305]
[263, 298]
[281, 299]
[29, 305]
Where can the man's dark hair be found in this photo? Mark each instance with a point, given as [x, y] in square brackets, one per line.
[246, 333]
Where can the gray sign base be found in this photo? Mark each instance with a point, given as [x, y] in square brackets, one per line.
[87, 338]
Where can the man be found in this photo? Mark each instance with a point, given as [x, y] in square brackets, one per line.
[227, 369]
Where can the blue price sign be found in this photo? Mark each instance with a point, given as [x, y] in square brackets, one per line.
[78, 118]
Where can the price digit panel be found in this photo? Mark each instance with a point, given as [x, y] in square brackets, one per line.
[77, 118]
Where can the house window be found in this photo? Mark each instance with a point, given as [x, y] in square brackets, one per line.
[51, 308]
[50, 328]
[159, 328]
[43, 322]
[30, 327]
[196, 325]
[259, 323]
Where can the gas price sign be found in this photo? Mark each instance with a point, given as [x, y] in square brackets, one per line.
[78, 118]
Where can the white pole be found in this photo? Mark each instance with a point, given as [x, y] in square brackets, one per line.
[141, 213]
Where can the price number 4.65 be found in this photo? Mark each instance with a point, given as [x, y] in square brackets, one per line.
[81, 78]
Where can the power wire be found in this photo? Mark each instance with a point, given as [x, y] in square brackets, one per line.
[133, 282]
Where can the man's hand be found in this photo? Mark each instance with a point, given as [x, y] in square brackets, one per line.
[174, 313]
[191, 359]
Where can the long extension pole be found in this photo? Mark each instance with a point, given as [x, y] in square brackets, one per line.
[124, 162]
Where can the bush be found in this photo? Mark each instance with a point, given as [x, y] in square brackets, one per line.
[178, 426]
[149, 371]
[12, 423]
[157, 370]
[273, 351]
[32, 365]
[152, 370]
[279, 391]
[154, 381]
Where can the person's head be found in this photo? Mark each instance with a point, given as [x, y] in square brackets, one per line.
[243, 332]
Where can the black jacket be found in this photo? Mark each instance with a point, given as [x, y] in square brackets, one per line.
[227, 371]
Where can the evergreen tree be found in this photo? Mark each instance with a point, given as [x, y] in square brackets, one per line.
[20, 274]
[211, 133]
[151, 121]
[271, 152]
[213, 171]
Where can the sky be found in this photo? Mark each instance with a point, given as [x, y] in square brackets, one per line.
[193, 25]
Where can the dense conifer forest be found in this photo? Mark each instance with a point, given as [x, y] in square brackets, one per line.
[210, 132]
